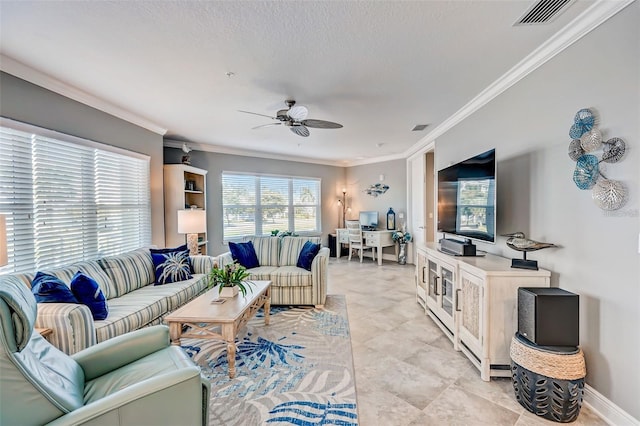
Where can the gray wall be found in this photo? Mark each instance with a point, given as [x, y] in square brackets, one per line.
[28, 103]
[332, 180]
[359, 178]
[598, 254]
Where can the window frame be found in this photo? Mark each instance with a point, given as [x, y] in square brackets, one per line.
[258, 207]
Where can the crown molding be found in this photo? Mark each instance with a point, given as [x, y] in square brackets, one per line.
[170, 143]
[20, 70]
[375, 160]
[583, 24]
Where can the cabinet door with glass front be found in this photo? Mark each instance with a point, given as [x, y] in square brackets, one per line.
[441, 291]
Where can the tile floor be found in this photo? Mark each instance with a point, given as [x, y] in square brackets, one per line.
[407, 372]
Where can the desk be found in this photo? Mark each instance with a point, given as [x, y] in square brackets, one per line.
[377, 239]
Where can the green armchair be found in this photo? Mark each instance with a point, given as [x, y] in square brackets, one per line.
[133, 379]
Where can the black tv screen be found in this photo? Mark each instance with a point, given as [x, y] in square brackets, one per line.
[467, 198]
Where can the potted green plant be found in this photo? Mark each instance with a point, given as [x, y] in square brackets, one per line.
[229, 279]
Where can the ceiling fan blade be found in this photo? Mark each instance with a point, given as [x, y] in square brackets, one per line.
[255, 113]
[265, 125]
[321, 124]
[298, 112]
[300, 131]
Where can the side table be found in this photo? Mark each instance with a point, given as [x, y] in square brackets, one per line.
[548, 380]
[44, 332]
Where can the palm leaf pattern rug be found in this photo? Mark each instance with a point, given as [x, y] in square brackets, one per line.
[296, 371]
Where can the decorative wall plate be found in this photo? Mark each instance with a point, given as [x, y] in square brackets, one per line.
[376, 189]
[614, 150]
[609, 194]
[586, 172]
[583, 122]
[585, 118]
[576, 131]
[591, 140]
[575, 150]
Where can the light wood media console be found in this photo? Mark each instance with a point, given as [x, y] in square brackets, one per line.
[474, 301]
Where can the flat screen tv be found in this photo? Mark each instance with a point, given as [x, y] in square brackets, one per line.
[467, 198]
[369, 220]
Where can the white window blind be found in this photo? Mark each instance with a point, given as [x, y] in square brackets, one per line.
[257, 205]
[16, 198]
[123, 203]
[68, 201]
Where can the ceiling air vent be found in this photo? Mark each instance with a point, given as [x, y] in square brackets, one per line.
[419, 127]
[543, 12]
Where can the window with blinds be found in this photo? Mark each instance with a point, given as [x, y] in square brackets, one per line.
[67, 199]
[258, 205]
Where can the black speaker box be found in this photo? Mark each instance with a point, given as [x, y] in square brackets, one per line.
[548, 316]
[457, 248]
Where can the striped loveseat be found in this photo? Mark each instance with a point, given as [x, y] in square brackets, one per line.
[134, 302]
[290, 285]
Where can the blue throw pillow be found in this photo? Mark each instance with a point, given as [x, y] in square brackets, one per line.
[171, 250]
[88, 292]
[307, 254]
[244, 254]
[171, 265]
[50, 289]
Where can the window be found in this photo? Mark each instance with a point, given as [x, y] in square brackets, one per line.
[257, 205]
[67, 199]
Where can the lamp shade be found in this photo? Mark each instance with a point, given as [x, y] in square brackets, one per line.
[4, 258]
[192, 221]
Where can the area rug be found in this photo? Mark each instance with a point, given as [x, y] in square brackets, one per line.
[296, 371]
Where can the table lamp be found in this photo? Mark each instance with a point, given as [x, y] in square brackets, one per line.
[4, 258]
[192, 222]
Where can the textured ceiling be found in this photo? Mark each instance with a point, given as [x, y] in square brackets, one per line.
[378, 68]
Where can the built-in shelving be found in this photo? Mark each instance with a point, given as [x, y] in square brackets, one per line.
[184, 188]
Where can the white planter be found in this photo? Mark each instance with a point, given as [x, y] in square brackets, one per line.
[229, 291]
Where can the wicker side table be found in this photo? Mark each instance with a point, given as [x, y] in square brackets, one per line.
[547, 382]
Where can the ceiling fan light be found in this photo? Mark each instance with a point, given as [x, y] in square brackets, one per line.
[298, 112]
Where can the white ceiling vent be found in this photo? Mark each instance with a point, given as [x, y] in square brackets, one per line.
[543, 11]
[419, 127]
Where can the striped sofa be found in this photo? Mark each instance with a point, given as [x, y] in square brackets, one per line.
[290, 285]
[134, 302]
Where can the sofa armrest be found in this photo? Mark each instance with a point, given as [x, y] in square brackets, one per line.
[319, 276]
[177, 397]
[202, 264]
[225, 259]
[121, 350]
[72, 325]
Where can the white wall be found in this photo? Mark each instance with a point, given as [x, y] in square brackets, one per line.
[28, 103]
[598, 254]
[332, 179]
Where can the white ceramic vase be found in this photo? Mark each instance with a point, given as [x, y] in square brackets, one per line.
[228, 292]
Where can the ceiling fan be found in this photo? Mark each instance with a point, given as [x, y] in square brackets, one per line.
[295, 117]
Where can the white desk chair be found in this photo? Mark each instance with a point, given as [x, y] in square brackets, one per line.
[356, 241]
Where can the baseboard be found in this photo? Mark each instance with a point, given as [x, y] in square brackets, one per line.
[606, 409]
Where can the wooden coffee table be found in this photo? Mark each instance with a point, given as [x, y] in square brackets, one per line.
[201, 315]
